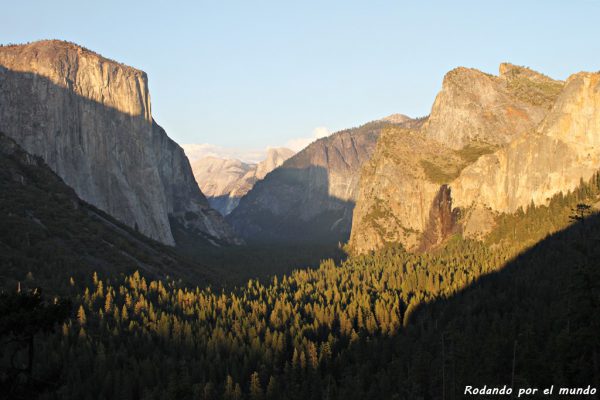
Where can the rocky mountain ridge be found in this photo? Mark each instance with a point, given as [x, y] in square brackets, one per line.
[90, 119]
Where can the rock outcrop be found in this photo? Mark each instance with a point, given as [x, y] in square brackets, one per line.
[310, 198]
[226, 181]
[491, 144]
[475, 107]
[398, 187]
[90, 119]
[396, 118]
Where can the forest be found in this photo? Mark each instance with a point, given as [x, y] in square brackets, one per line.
[518, 309]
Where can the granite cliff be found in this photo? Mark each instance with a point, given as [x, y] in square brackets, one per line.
[47, 230]
[475, 107]
[563, 150]
[226, 181]
[90, 119]
[491, 144]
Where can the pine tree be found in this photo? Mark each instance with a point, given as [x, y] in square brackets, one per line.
[256, 392]
[108, 302]
[272, 388]
[229, 393]
[237, 393]
[81, 317]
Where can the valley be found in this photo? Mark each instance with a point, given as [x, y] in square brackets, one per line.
[403, 258]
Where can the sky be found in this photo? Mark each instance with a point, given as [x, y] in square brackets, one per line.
[255, 74]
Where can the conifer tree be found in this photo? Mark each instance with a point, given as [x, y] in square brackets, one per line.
[81, 317]
[256, 392]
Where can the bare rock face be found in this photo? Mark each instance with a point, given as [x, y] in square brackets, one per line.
[221, 180]
[477, 107]
[442, 219]
[397, 188]
[311, 196]
[396, 118]
[90, 119]
[226, 181]
[275, 157]
[563, 150]
[480, 145]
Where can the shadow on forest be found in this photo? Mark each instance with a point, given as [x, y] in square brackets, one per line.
[534, 323]
[287, 237]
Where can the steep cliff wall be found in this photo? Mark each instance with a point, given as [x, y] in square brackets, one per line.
[90, 119]
[479, 144]
[310, 197]
[477, 107]
[47, 229]
[564, 149]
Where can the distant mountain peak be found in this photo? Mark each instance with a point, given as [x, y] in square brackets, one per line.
[225, 180]
[396, 118]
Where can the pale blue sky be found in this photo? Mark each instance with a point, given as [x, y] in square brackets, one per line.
[255, 73]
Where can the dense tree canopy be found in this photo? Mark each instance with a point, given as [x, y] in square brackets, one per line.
[522, 308]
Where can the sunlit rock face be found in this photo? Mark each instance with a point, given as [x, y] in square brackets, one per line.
[397, 189]
[477, 107]
[555, 157]
[226, 181]
[491, 144]
[90, 119]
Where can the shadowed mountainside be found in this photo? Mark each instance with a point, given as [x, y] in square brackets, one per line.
[309, 217]
[48, 231]
[310, 197]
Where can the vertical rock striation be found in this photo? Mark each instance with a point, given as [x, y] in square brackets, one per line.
[90, 119]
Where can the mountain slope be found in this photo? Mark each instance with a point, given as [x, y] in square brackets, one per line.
[226, 181]
[410, 190]
[51, 234]
[310, 198]
[90, 119]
